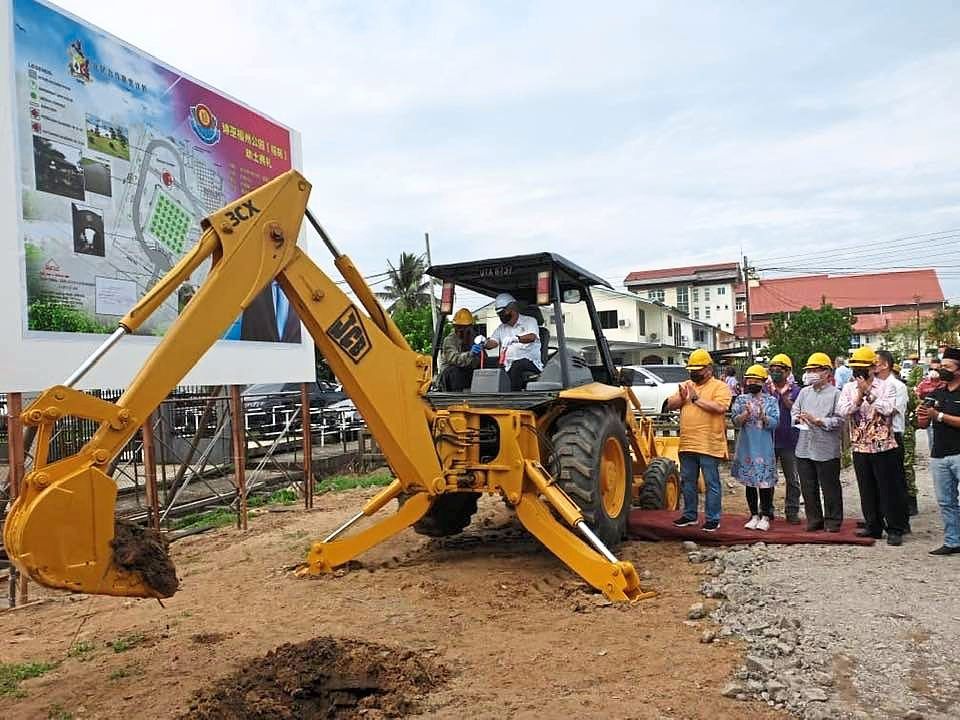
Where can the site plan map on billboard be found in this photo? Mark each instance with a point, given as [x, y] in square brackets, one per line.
[117, 158]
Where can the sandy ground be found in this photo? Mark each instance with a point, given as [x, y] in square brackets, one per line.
[518, 634]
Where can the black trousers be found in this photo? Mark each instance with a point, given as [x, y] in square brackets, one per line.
[519, 371]
[883, 498]
[765, 505]
[455, 379]
[816, 477]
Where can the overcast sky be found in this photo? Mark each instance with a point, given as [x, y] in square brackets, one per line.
[623, 135]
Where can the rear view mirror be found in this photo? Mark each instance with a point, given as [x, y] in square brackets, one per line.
[571, 296]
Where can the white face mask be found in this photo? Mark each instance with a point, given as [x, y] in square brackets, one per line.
[811, 378]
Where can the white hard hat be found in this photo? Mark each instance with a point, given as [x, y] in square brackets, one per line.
[503, 299]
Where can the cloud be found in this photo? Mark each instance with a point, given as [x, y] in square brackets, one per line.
[624, 136]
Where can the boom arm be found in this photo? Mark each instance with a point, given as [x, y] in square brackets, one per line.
[60, 529]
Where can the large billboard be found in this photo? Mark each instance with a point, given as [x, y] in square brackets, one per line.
[112, 160]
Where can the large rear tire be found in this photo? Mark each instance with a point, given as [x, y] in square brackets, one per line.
[592, 460]
[661, 486]
[449, 515]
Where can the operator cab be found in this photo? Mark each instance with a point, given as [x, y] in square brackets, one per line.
[553, 291]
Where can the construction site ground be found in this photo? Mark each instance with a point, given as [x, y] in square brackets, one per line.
[502, 628]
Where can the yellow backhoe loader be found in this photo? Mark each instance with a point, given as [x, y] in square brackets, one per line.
[567, 452]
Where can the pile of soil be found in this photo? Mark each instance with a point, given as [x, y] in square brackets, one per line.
[319, 679]
[142, 550]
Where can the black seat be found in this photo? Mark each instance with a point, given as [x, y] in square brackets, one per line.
[536, 313]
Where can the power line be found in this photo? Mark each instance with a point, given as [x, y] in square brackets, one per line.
[842, 249]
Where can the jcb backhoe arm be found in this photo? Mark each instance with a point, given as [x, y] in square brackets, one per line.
[59, 531]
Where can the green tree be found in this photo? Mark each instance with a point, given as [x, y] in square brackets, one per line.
[944, 326]
[408, 289]
[800, 334]
[417, 327]
[901, 339]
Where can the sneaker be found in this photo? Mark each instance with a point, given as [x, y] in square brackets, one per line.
[710, 526]
[895, 539]
[764, 524]
[946, 550]
[751, 524]
[684, 521]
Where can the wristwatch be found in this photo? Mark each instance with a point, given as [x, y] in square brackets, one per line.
[939, 417]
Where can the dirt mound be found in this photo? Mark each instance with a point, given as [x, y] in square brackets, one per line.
[318, 679]
[144, 550]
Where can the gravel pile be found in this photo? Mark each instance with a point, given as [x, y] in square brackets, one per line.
[839, 631]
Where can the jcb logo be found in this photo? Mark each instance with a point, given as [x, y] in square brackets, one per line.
[242, 213]
[349, 334]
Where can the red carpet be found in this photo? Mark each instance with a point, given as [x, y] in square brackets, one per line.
[658, 525]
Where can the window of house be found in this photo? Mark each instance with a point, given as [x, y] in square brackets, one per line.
[708, 312]
[699, 334]
[641, 322]
[655, 295]
[696, 312]
[740, 304]
[669, 326]
[722, 290]
[696, 295]
[676, 332]
[608, 319]
[683, 299]
[706, 294]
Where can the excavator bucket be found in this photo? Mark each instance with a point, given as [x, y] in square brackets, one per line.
[86, 556]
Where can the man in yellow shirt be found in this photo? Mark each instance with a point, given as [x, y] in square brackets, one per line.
[703, 403]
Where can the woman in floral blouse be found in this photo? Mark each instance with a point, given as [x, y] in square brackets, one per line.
[756, 414]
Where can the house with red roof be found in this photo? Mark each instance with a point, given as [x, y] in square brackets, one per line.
[879, 301]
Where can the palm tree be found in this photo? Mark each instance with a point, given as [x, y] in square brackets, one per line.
[407, 289]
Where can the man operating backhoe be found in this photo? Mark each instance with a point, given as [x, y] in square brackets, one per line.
[519, 338]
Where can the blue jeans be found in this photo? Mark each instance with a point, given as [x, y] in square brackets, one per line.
[946, 476]
[691, 465]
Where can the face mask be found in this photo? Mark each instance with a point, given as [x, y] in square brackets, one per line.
[947, 375]
[811, 378]
[777, 374]
[697, 376]
[861, 373]
[504, 316]
[754, 389]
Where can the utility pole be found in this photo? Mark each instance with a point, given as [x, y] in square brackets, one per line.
[916, 300]
[433, 299]
[746, 287]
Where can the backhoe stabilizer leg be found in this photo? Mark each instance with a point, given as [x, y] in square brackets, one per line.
[327, 555]
[616, 579]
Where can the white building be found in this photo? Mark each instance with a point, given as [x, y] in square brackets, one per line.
[638, 330]
[705, 292]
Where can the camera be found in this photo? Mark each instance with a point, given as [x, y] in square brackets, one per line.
[929, 402]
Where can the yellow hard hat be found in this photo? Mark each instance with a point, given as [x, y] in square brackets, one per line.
[781, 359]
[756, 371]
[863, 357]
[699, 359]
[818, 360]
[463, 317]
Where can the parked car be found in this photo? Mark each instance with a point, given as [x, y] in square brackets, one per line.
[653, 384]
[269, 406]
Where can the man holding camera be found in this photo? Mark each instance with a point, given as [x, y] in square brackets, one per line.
[941, 410]
[869, 404]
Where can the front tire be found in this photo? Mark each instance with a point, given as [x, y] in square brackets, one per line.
[594, 467]
[661, 486]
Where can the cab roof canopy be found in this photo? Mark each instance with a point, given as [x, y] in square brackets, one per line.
[516, 275]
